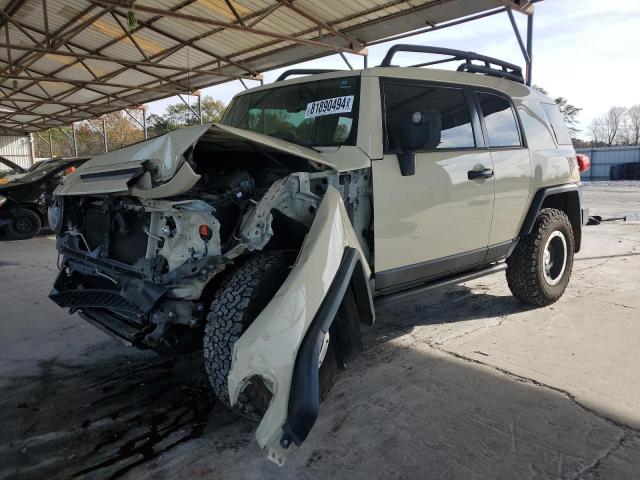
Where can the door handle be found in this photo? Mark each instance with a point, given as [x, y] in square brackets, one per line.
[475, 174]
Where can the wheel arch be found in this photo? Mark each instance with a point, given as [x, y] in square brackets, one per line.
[565, 198]
[348, 303]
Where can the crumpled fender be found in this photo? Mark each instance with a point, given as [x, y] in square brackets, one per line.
[269, 347]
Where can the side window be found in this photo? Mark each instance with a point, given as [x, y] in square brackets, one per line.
[557, 123]
[499, 120]
[443, 108]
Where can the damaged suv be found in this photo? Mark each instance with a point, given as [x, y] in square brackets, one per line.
[268, 239]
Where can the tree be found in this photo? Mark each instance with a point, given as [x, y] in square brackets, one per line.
[596, 128]
[121, 131]
[569, 111]
[179, 114]
[633, 125]
[611, 124]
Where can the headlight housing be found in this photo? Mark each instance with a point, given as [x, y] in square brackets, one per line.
[55, 214]
[3, 200]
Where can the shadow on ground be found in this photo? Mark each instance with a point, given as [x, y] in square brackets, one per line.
[103, 420]
[401, 410]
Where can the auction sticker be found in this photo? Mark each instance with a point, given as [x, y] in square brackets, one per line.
[329, 106]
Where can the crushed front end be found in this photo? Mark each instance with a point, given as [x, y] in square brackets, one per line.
[146, 245]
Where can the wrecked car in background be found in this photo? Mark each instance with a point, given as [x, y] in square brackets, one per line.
[9, 168]
[25, 198]
[265, 239]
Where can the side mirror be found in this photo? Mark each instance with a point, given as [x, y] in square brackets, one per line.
[418, 130]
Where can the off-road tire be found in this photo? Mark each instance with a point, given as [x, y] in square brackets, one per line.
[239, 300]
[26, 224]
[525, 266]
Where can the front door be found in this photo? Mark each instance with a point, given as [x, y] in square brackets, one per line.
[438, 219]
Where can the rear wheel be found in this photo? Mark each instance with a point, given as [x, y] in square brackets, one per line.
[26, 224]
[540, 267]
[236, 304]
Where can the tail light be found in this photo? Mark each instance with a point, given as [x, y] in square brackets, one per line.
[584, 163]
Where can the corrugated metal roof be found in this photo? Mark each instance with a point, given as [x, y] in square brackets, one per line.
[68, 60]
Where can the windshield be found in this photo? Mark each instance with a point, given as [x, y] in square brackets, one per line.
[321, 113]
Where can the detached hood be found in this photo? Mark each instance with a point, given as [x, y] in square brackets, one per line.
[157, 168]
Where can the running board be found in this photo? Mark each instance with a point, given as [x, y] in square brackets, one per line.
[445, 282]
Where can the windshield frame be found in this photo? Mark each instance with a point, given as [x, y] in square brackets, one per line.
[261, 92]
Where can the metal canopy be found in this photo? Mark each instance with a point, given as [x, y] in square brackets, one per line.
[62, 61]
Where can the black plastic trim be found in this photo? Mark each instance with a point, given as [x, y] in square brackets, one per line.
[304, 400]
[425, 270]
[444, 282]
[507, 70]
[538, 200]
[305, 71]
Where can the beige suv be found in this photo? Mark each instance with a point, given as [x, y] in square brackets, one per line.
[268, 239]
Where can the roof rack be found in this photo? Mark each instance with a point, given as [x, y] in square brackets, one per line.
[506, 70]
[304, 71]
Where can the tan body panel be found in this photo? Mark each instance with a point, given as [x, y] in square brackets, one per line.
[512, 181]
[270, 345]
[436, 213]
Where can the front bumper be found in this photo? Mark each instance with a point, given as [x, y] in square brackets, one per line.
[121, 305]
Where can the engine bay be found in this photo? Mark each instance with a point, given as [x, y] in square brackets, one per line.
[153, 263]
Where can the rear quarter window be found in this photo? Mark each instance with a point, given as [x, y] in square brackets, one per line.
[499, 120]
[556, 120]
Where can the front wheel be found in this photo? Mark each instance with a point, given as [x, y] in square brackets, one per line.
[238, 301]
[26, 224]
[539, 268]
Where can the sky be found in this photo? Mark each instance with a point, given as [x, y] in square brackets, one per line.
[585, 50]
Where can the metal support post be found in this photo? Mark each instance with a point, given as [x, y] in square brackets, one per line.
[516, 30]
[104, 135]
[75, 140]
[144, 122]
[344, 57]
[530, 48]
[187, 104]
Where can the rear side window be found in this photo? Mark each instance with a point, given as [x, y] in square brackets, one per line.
[557, 123]
[499, 120]
[444, 107]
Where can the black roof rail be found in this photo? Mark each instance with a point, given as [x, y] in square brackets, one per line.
[506, 70]
[304, 71]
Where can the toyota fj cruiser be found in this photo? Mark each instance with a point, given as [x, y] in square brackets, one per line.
[269, 238]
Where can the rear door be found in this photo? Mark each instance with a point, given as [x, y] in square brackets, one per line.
[437, 220]
[512, 168]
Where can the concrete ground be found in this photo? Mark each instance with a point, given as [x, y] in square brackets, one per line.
[463, 383]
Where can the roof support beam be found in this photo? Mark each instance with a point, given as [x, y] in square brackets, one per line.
[11, 9]
[45, 14]
[97, 83]
[104, 58]
[235, 12]
[232, 26]
[352, 41]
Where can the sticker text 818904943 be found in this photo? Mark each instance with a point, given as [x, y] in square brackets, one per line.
[329, 106]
